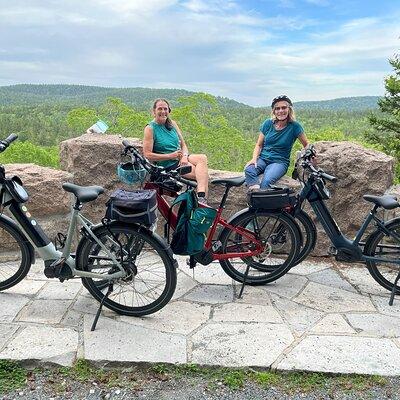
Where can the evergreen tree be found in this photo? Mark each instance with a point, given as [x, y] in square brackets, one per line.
[387, 123]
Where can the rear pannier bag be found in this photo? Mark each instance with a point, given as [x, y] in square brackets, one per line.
[133, 206]
[271, 199]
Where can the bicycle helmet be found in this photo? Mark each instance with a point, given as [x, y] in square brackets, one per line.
[131, 173]
[282, 97]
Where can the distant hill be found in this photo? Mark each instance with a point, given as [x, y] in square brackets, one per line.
[360, 103]
[79, 95]
[142, 98]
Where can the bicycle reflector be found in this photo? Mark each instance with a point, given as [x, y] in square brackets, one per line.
[131, 173]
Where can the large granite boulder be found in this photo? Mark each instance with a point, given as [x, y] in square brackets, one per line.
[48, 203]
[92, 160]
[359, 171]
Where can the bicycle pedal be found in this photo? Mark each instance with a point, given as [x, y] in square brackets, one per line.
[332, 250]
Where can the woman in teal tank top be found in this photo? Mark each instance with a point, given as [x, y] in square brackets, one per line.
[163, 144]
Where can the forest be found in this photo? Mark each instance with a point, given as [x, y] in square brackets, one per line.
[226, 130]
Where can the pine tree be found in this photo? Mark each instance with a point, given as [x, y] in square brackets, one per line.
[387, 123]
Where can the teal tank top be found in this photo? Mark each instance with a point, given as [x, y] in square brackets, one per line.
[164, 142]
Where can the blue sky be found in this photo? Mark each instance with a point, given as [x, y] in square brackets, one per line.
[249, 51]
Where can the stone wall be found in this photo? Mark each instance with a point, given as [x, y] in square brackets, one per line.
[92, 160]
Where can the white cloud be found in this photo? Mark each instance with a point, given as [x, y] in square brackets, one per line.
[203, 45]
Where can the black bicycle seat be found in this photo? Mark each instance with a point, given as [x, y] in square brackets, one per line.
[229, 182]
[83, 193]
[387, 201]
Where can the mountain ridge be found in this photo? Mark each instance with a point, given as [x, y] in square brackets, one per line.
[142, 98]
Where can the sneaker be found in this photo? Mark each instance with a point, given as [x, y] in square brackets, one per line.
[253, 188]
[202, 201]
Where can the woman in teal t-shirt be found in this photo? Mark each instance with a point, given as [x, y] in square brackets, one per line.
[163, 143]
[271, 155]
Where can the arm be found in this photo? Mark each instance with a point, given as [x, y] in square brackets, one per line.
[257, 150]
[148, 148]
[303, 139]
[184, 149]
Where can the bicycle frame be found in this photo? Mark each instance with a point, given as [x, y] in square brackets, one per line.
[352, 248]
[164, 207]
[32, 230]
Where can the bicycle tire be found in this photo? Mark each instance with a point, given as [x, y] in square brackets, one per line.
[308, 235]
[151, 275]
[384, 273]
[15, 258]
[264, 268]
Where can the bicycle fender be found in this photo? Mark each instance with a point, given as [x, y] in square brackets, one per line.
[240, 212]
[161, 241]
[12, 224]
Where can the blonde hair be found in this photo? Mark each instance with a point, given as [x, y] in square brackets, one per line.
[291, 116]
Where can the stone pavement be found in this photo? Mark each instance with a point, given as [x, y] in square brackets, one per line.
[317, 318]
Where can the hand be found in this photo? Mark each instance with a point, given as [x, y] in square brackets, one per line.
[252, 161]
[177, 155]
[184, 160]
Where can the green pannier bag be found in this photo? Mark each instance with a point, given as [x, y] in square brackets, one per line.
[192, 226]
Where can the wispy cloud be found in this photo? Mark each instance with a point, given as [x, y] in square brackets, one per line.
[224, 47]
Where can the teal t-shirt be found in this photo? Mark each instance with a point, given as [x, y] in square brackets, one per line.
[278, 144]
[164, 142]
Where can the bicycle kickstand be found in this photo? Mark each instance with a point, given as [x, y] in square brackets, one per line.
[244, 281]
[394, 289]
[96, 318]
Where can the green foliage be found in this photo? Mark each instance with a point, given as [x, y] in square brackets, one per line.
[12, 376]
[387, 123]
[26, 152]
[225, 130]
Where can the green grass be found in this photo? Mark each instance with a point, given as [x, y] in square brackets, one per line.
[12, 376]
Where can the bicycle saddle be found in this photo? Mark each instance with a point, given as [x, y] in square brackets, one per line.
[83, 193]
[387, 201]
[229, 182]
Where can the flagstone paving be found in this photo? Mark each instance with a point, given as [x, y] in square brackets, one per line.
[319, 317]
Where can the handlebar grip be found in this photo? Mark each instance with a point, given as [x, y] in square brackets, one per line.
[328, 177]
[126, 143]
[11, 138]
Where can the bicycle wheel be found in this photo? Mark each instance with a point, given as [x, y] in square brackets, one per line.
[280, 237]
[384, 246]
[15, 258]
[150, 279]
[308, 235]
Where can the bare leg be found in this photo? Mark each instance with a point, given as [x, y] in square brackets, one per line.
[199, 171]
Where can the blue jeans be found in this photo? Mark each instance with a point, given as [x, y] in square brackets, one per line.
[272, 172]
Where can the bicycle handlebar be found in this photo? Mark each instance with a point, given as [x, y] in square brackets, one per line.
[154, 170]
[7, 141]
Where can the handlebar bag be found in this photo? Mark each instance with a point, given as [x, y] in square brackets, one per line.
[271, 199]
[133, 206]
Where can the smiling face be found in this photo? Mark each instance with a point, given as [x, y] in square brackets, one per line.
[161, 111]
[281, 110]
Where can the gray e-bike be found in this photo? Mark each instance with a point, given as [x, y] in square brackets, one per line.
[126, 267]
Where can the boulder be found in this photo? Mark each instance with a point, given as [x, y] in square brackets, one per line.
[44, 185]
[92, 160]
[48, 203]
